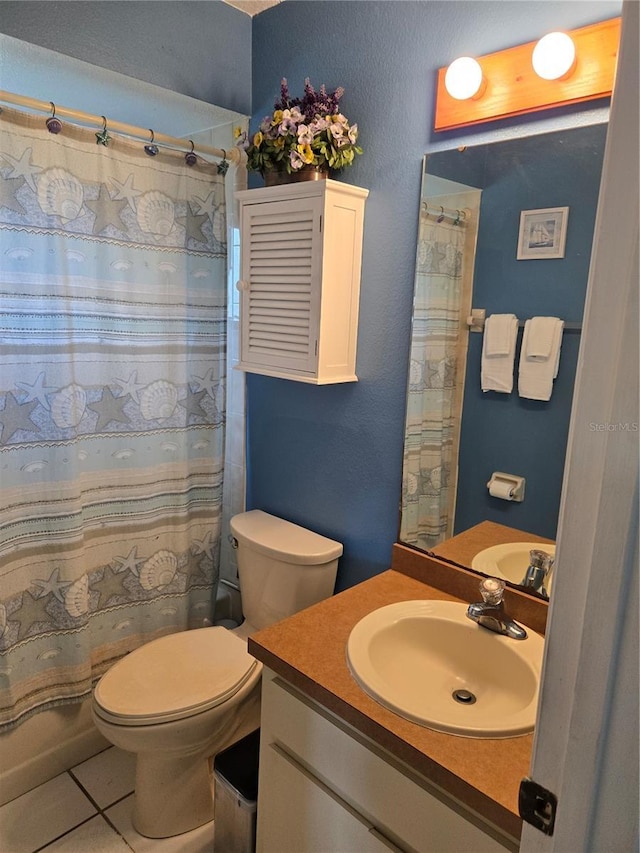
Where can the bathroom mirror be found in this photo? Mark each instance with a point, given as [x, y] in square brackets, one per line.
[456, 435]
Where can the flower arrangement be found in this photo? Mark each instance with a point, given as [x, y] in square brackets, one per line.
[307, 131]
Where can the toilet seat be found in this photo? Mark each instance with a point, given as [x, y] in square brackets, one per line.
[173, 677]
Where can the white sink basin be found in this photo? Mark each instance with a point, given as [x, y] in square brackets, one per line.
[510, 561]
[414, 656]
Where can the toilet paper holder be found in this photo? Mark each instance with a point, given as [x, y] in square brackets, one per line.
[507, 487]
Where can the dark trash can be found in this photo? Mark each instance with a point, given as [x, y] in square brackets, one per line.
[235, 771]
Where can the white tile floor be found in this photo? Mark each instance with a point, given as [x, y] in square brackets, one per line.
[88, 809]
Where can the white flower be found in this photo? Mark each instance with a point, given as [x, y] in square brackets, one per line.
[305, 135]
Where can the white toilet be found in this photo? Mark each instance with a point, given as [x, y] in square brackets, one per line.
[179, 700]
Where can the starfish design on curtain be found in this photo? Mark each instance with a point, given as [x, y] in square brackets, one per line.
[8, 189]
[204, 546]
[206, 206]
[131, 386]
[16, 416]
[207, 383]
[125, 190]
[130, 563]
[23, 167]
[192, 404]
[434, 379]
[52, 586]
[108, 586]
[107, 211]
[37, 390]
[31, 612]
[193, 225]
[108, 409]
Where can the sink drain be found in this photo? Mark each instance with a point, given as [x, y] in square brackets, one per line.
[464, 697]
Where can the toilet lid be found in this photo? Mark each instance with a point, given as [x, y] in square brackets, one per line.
[175, 676]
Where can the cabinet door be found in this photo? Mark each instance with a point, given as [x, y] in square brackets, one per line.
[281, 283]
[417, 817]
[304, 816]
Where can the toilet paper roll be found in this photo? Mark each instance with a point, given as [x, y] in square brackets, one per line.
[501, 489]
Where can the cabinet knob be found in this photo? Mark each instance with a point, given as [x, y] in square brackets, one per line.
[242, 284]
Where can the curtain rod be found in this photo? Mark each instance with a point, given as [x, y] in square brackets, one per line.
[458, 216]
[233, 155]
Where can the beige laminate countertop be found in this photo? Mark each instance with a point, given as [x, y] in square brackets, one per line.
[464, 547]
[309, 651]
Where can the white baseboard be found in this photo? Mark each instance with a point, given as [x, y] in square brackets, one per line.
[44, 746]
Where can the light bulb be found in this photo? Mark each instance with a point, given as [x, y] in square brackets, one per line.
[554, 56]
[463, 78]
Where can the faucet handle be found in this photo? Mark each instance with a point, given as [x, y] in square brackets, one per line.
[492, 590]
[540, 559]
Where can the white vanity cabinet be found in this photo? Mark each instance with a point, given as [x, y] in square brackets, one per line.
[324, 789]
[300, 258]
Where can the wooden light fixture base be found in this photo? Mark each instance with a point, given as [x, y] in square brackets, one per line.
[513, 88]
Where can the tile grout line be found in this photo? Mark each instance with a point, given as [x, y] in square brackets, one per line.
[85, 792]
[72, 828]
[99, 812]
[62, 835]
[102, 811]
[114, 827]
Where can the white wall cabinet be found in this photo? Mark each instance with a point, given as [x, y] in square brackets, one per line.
[322, 789]
[301, 250]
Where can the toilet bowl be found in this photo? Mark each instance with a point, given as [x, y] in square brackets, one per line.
[174, 702]
[178, 700]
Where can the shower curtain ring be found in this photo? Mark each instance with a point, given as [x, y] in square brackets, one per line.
[191, 158]
[151, 149]
[456, 221]
[54, 125]
[223, 165]
[102, 136]
[441, 217]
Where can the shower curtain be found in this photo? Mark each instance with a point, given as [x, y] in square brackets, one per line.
[112, 404]
[436, 375]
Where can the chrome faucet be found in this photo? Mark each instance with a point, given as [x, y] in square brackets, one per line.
[539, 571]
[490, 612]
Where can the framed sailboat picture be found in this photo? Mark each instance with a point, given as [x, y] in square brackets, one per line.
[543, 233]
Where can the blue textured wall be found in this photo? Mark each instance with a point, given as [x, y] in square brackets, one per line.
[198, 49]
[330, 457]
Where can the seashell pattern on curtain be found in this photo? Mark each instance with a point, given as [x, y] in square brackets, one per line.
[112, 404]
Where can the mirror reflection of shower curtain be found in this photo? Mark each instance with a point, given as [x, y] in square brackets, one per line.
[112, 404]
[436, 380]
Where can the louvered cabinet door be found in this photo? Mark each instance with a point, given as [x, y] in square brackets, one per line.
[280, 287]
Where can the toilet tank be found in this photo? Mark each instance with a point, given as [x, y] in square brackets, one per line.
[282, 567]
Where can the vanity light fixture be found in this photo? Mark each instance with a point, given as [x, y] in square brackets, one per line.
[554, 56]
[464, 79]
[517, 81]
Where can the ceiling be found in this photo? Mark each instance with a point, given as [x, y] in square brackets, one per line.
[252, 7]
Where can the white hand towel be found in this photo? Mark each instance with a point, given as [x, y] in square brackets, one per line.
[539, 357]
[498, 353]
[541, 337]
[498, 334]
